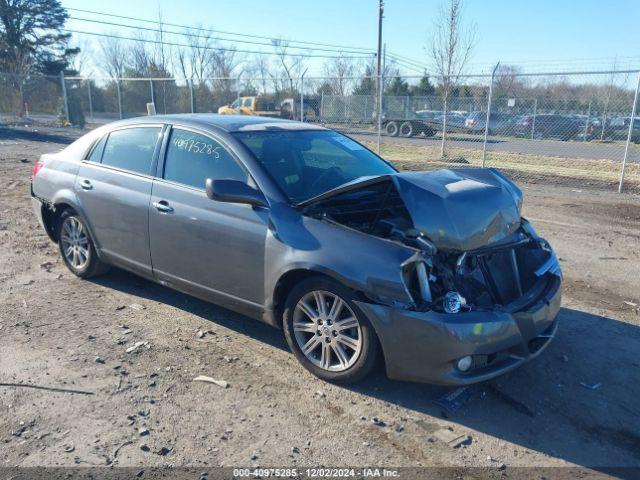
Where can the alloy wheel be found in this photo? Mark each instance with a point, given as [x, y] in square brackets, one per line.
[327, 331]
[75, 243]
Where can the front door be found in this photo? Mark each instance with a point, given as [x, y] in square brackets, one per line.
[209, 248]
[114, 188]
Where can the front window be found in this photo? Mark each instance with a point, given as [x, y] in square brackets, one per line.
[307, 163]
[192, 158]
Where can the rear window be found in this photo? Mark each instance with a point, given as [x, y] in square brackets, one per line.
[78, 149]
[96, 152]
[131, 149]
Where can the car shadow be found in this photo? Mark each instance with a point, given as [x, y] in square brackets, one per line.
[578, 395]
[123, 281]
[31, 134]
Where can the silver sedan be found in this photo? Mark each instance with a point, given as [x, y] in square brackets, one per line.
[435, 273]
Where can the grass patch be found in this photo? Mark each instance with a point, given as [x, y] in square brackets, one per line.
[525, 167]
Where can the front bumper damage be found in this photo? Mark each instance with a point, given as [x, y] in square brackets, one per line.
[424, 346]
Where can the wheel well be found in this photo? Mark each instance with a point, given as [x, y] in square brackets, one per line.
[288, 280]
[51, 217]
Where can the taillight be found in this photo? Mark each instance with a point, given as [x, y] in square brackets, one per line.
[36, 168]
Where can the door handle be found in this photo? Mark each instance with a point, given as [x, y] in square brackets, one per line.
[86, 184]
[163, 206]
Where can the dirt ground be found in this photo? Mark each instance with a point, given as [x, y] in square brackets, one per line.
[576, 405]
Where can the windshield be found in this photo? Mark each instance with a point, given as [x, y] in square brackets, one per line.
[310, 162]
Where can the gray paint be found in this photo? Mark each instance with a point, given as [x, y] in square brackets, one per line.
[423, 346]
[463, 209]
[235, 255]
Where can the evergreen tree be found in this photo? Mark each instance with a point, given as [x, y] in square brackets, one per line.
[30, 37]
[424, 88]
[367, 85]
[398, 87]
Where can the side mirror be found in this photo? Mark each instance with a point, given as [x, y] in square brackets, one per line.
[234, 191]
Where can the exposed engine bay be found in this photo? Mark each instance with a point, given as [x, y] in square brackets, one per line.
[506, 262]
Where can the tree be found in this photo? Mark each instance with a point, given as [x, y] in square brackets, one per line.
[30, 37]
[508, 82]
[195, 61]
[398, 87]
[114, 59]
[340, 70]
[450, 50]
[261, 68]
[224, 64]
[292, 66]
[424, 88]
[367, 85]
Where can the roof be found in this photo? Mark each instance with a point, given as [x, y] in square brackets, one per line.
[229, 123]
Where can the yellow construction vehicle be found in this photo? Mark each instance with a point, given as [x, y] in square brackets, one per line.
[259, 106]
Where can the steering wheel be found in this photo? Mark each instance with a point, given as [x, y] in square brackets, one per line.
[326, 180]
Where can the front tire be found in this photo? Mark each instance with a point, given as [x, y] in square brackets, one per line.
[327, 332]
[77, 248]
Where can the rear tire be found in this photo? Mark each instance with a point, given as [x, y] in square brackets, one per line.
[327, 332]
[77, 248]
[392, 129]
[406, 130]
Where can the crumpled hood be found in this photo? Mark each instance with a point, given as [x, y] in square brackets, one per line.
[462, 209]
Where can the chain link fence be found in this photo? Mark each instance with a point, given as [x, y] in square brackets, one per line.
[574, 129]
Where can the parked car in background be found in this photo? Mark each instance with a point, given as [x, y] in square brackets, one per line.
[456, 121]
[499, 123]
[428, 114]
[617, 128]
[307, 230]
[563, 127]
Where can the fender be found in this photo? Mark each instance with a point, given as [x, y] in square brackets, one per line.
[68, 197]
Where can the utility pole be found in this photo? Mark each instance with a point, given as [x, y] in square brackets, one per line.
[384, 60]
[379, 72]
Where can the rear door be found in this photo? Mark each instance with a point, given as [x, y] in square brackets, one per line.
[208, 248]
[114, 188]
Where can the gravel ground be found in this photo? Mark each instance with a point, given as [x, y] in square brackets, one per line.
[143, 408]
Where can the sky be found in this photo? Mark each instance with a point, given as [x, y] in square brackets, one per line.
[539, 35]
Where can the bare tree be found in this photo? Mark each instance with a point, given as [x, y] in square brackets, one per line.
[224, 65]
[292, 65]
[341, 71]
[195, 61]
[450, 50]
[140, 58]
[508, 81]
[261, 67]
[82, 62]
[114, 58]
[162, 54]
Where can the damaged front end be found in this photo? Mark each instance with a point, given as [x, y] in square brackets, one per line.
[500, 276]
[476, 262]
[472, 248]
